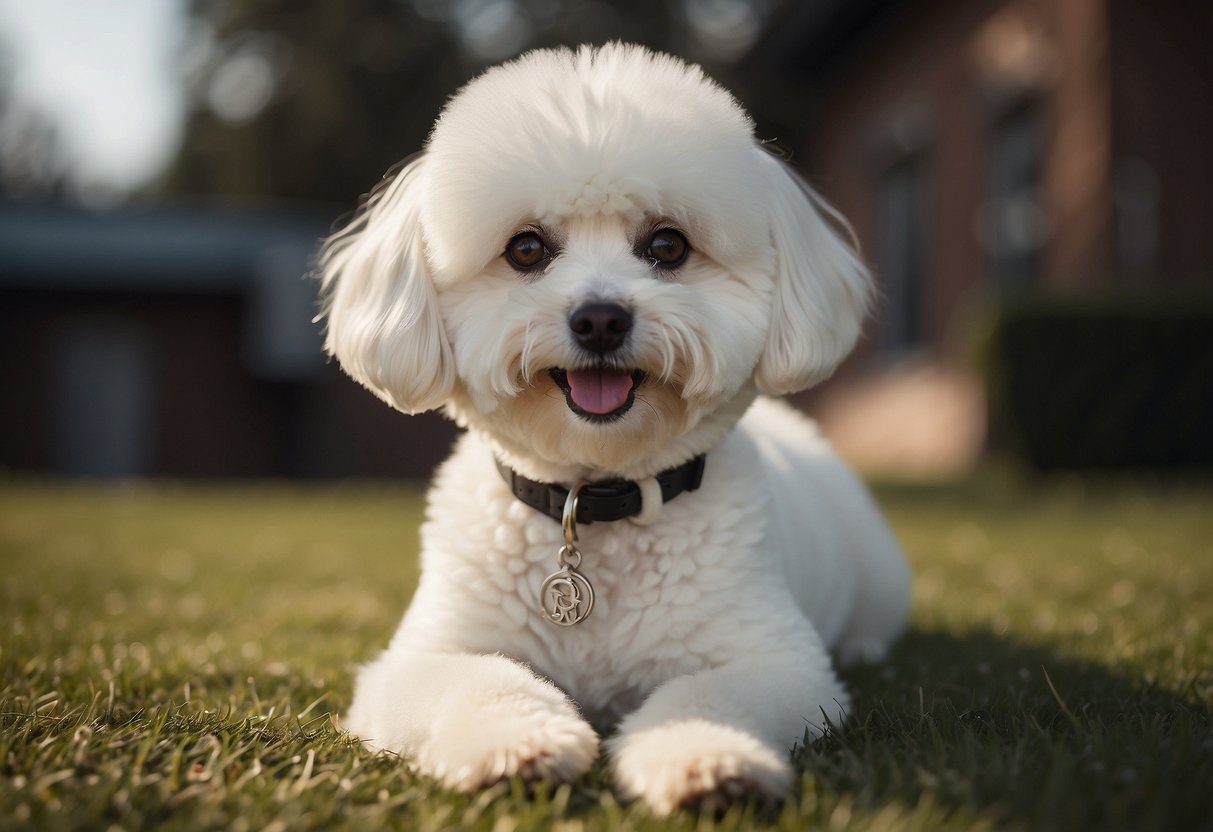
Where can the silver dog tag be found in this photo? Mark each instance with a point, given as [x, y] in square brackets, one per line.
[567, 597]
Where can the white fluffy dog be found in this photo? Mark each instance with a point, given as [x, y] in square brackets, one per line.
[596, 269]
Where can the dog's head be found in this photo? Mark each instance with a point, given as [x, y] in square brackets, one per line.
[591, 255]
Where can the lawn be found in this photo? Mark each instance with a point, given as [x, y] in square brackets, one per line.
[173, 655]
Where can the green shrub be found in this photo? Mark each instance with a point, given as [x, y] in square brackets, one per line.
[1103, 382]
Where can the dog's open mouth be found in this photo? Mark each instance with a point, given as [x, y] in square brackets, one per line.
[598, 394]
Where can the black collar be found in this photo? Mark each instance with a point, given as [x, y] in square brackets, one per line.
[608, 500]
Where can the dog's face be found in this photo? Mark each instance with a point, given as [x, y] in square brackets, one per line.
[591, 255]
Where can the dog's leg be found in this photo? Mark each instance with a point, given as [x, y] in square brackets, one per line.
[470, 720]
[708, 738]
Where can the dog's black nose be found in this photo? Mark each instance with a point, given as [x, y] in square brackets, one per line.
[600, 327]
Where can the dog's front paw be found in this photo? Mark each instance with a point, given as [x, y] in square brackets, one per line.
[696, 764]
[514, 735]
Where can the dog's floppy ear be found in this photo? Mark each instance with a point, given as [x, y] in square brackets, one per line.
[822, 289]
[383, 320]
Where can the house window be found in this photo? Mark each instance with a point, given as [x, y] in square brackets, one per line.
[1016, 222]
[901, 250]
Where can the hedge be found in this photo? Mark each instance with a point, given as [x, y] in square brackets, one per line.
[1103, 382]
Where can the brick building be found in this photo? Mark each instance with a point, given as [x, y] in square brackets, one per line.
[1000, 145]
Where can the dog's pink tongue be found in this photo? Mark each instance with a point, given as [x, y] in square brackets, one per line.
[599, 391]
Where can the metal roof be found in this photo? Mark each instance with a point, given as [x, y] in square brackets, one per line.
[261, 257]
[172, 249]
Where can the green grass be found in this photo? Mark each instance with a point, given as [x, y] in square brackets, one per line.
[172, 656]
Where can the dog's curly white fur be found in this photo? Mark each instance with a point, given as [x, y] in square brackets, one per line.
[710, 633]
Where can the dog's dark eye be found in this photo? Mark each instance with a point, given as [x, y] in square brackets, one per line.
[668, 249]
[526, 251]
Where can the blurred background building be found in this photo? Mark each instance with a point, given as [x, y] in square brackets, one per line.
[989, 150]
[1031, 181]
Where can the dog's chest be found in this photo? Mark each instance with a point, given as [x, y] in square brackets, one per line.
[671, 598]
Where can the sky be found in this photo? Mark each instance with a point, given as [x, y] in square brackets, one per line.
[107, 73]
[104, 71]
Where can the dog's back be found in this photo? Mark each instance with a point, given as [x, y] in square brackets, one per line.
[843, 566]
